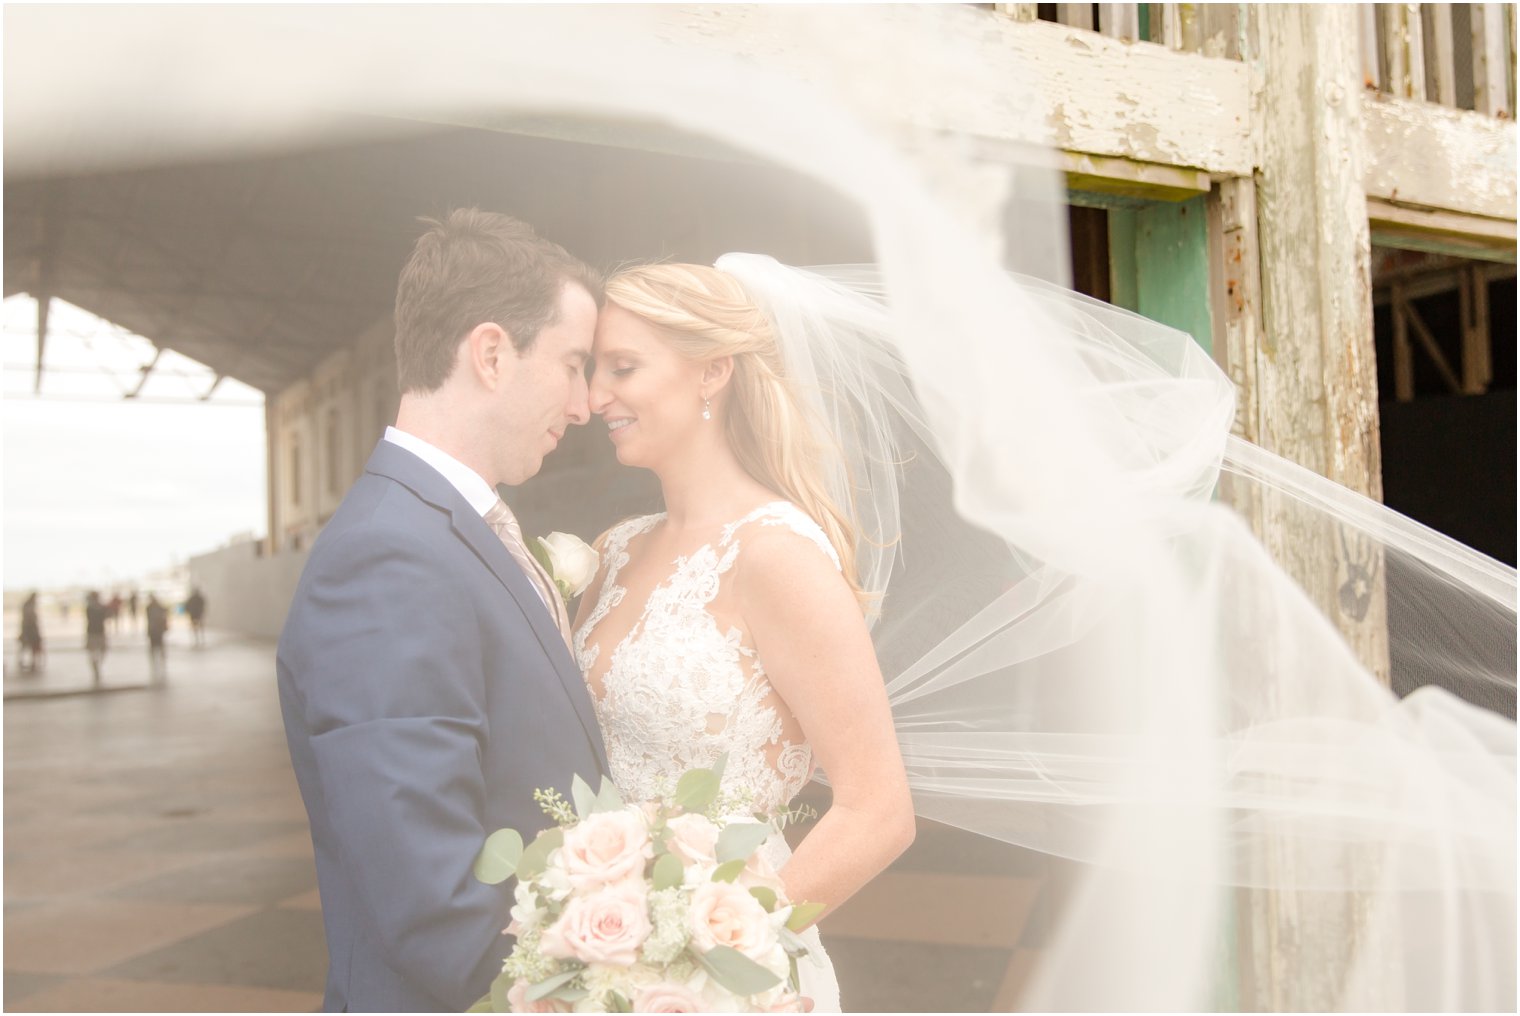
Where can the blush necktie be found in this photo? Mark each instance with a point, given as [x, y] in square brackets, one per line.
[504, 524]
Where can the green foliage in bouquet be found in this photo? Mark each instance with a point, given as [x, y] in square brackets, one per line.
[673, 849]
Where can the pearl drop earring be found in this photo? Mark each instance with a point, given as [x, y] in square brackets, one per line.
[707, 409]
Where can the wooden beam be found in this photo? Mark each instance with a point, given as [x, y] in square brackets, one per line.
[1422, 154]
[1129, 178]
[1441, 232]
[1428, 342]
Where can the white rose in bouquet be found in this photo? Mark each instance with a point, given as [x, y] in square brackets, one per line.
[571, 562]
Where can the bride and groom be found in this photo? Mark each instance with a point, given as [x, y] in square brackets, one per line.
[430, 678]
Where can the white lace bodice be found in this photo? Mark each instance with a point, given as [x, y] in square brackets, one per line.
[681, 688]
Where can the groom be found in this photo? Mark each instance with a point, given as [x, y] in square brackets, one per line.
[425, 682]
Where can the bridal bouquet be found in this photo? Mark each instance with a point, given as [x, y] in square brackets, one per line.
[666, 907]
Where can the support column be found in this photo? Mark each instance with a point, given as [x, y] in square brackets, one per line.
[1315, 402]
[1316, 371]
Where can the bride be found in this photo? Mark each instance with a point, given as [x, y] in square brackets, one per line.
[734, 622]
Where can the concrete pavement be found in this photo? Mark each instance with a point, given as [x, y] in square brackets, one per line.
[157, 858]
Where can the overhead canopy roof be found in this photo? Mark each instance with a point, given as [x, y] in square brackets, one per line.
[259, 266]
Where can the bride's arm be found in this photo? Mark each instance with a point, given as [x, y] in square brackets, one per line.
[817, 654]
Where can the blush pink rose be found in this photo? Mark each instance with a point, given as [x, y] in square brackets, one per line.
[694, 839]
[611, 846]
[723, 913]
[517, 998]
[791, 1002]
[607, 926]
[668, 997]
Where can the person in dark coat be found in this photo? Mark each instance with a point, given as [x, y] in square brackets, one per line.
[158, 623]
[31, 637]
[95, 614]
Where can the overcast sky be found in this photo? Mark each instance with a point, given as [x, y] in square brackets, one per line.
[100, 490]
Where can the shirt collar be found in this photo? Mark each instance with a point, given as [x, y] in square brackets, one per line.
[470, 484]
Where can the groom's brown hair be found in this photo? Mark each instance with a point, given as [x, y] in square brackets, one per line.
[469, 268]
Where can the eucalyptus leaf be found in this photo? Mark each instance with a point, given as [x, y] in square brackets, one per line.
[483, 1005]
[728, 871]
[717, 767]
[618, 1002]
[766, 896]
[499, 988]
[736, 971]
[669, 872]
[740, 839]
[804, 914]
[498, 859]
[582, 795]
[608, 798]
[697, 790]
[536, 857]
[549, 985]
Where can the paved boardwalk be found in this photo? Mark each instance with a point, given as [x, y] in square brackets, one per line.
[157, 859]
[156, 850]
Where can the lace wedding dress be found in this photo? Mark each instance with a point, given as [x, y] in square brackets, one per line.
[685, 686]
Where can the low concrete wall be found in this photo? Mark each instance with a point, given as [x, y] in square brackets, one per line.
[245, 592]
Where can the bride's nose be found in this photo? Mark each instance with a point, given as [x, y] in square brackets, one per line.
[598, 397]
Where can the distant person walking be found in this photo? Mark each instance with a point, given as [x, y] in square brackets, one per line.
[95, 613]
[31, 637]
[158, 623]
[132, 611]
[113, 612]
[196, 608]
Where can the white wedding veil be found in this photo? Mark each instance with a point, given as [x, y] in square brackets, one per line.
[1089, 651]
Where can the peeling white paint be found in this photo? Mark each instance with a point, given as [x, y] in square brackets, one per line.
[1419, 153]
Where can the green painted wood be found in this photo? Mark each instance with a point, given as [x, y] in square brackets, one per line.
[1171, 267]
[1124, 282]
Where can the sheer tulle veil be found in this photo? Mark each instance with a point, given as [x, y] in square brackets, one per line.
[1089, 651]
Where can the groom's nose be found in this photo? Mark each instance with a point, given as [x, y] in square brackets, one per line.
[578, 411]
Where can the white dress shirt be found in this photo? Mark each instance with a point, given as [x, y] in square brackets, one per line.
[469, 483]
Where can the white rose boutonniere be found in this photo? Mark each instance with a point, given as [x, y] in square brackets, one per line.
[569, 560]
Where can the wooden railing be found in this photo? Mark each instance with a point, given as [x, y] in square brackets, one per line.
[1458, 55]
[1210, 29]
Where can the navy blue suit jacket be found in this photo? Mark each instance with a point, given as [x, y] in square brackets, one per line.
[426, 693]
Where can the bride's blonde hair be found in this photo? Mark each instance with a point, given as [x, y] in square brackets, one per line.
[705, 314]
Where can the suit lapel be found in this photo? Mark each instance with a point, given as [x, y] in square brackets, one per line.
[396, 463]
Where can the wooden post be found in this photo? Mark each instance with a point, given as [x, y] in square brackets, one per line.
[1317, 370]
[1119, 21]
[1403, 50]
[1403, 352]
[1477, 352]
[1075, 15]
[1317, 405]
[1019, 12]
[1372, 46]
[1440, 53]
[1491, 51]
